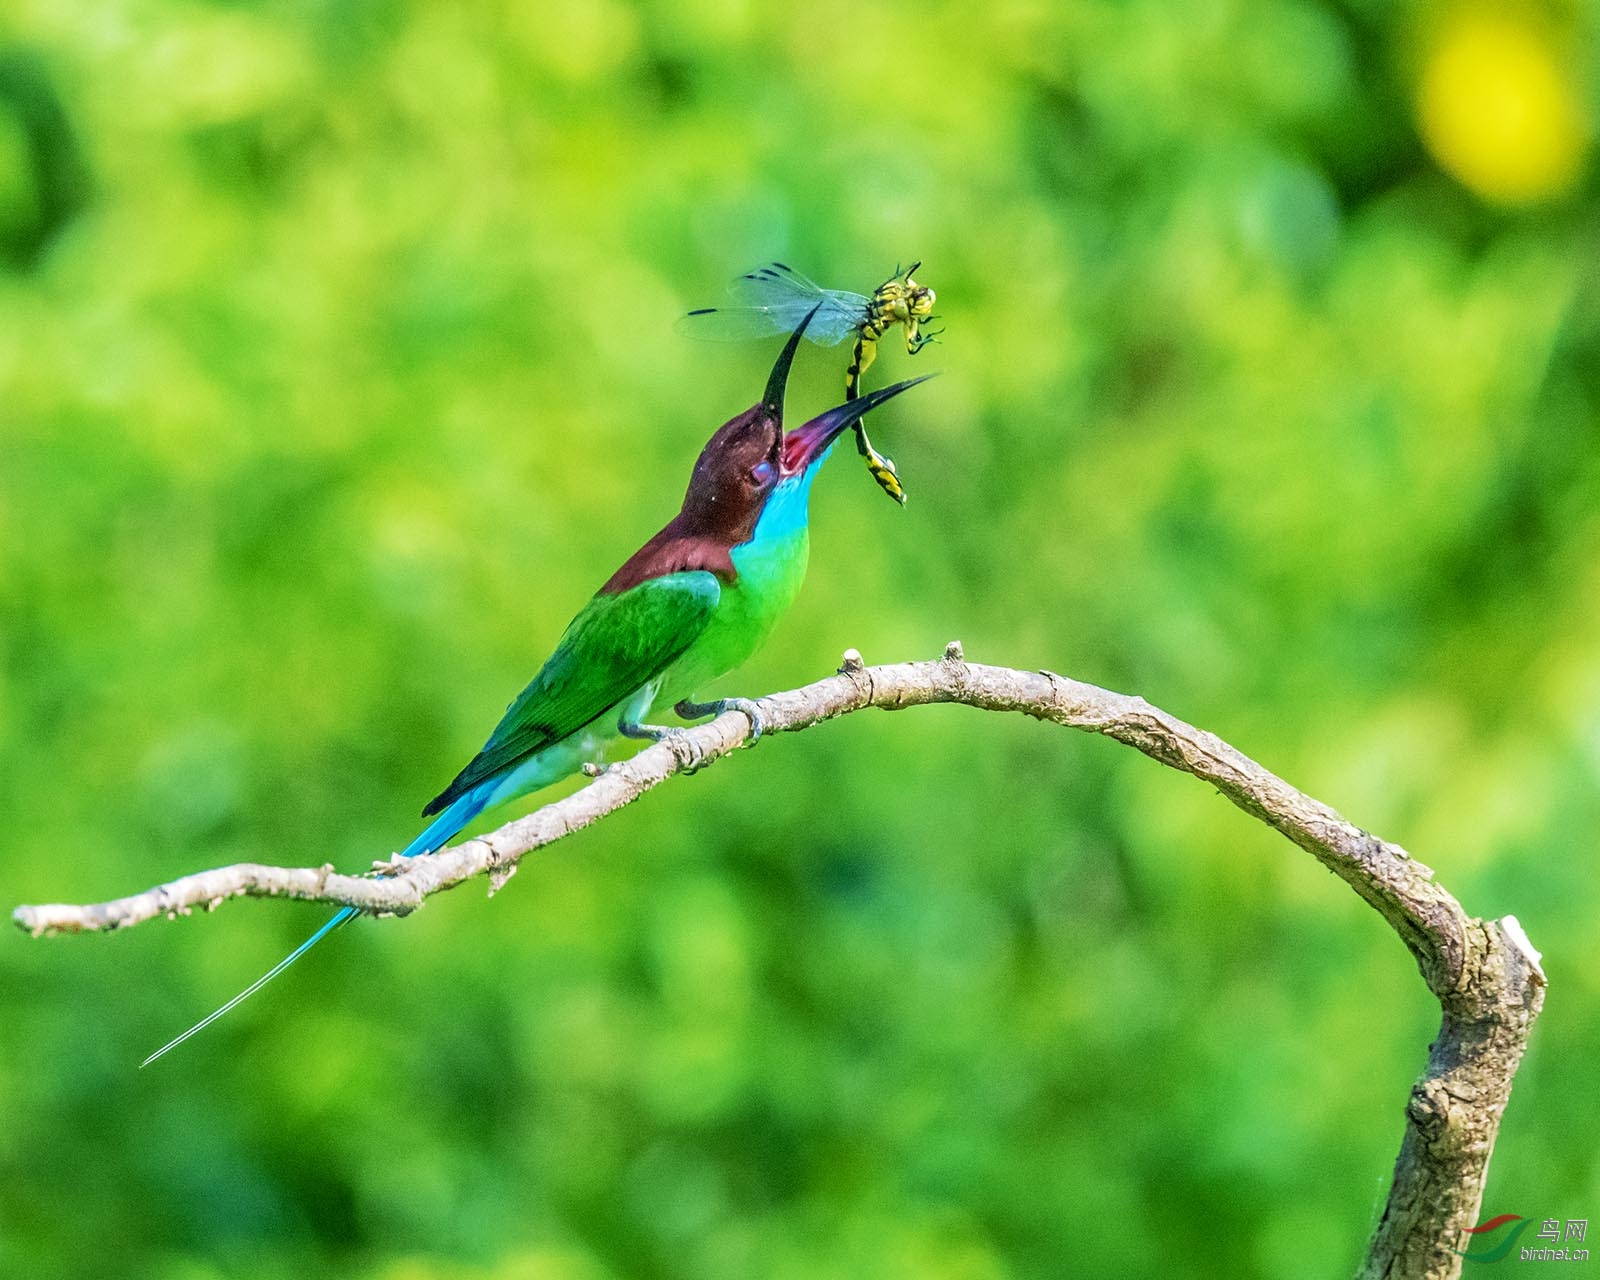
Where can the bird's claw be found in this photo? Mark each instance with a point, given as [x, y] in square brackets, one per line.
[751, 711]
[690, 754]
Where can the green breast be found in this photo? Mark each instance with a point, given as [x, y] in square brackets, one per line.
[770, 573]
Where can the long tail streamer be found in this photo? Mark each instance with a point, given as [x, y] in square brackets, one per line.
[435, 835]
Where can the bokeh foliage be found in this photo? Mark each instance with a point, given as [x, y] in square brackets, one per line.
[337, 367]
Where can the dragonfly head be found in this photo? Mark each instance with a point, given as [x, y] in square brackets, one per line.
[902, 299]
[919, 298]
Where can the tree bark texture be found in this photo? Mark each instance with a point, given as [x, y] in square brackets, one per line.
[1485, 974]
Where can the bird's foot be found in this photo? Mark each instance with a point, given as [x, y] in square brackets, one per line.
[752, 712]
[689, 752]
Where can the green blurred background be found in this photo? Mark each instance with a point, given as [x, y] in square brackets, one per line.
[337, 368]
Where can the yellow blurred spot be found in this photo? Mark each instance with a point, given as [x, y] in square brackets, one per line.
[1498, 110]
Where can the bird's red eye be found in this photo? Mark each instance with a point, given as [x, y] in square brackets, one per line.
[761, 472]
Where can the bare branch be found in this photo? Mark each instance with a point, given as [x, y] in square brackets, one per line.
[1485, 974]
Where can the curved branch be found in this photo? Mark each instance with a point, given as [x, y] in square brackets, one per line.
[1485, 974]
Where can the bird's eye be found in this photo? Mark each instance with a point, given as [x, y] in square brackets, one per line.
[761, 472]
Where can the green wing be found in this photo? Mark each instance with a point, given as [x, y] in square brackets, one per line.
[615, 646]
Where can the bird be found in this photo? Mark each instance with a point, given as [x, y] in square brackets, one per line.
[689, 606]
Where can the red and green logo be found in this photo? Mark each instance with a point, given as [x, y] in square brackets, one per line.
[1496, 1242]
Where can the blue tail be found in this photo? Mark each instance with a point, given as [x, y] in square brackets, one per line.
[438, 833]
[434, 836]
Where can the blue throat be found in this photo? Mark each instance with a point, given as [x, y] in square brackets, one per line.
[788, 510]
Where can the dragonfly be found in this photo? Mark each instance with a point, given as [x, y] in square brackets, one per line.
[775, 298]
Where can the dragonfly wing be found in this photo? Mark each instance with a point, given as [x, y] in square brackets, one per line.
[734, 324]
[774, 299]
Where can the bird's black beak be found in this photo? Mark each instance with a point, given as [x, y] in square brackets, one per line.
[772, 401]
[804, 446]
